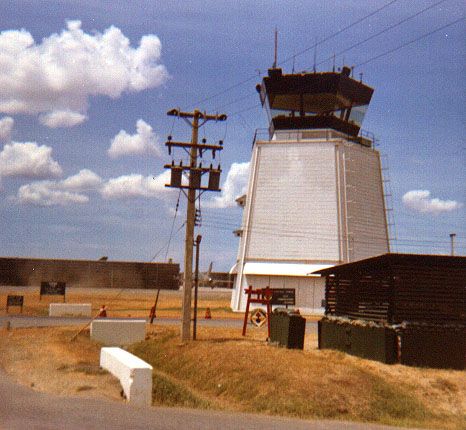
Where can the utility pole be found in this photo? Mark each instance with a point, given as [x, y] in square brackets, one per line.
[196, 284]
[194, 174]
[452, 239]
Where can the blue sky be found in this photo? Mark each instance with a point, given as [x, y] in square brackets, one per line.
[80, 77]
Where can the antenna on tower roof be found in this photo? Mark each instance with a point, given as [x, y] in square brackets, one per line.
[276, 49]
[333, 69]
[315, 56]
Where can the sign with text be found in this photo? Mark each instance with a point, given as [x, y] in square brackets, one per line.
[12, 300]
[53, 289]
[283, 296]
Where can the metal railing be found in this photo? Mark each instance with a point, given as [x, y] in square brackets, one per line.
[365, 138]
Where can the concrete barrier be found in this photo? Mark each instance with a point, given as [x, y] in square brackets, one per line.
[118, 332]
[135, 375]
[70, 309]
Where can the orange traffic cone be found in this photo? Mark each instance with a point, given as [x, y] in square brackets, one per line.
[103, 312]
[208, 315]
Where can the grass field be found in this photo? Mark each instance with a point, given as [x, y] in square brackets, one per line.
[121, 303]
[225, 371]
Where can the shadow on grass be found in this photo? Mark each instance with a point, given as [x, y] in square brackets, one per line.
[168, 392]
[230, 339]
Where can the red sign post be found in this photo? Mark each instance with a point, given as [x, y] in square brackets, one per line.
[262, 296]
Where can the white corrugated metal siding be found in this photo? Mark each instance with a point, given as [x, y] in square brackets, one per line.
[294, 206]
[309, 202]
[367, 228]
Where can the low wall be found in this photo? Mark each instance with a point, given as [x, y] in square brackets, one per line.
[89, 273]
[374, 343]
[70, 309]
[135, 375]
[426, 345]
[434, 346]
[118, 332]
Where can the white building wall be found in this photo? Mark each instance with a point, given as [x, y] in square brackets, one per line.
[367, 226]
[294, 206]
[313, 199]
[310, 290]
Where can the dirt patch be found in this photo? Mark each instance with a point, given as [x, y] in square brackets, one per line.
[45, 360]
[122, 303]
[226, 371]
[125, 303]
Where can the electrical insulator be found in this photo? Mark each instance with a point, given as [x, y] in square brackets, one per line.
[197, 218]
[195, 178]
[176, 174]
[214, 180]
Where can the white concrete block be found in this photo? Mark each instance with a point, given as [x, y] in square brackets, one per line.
[135, 375]
[118, 332]
[70, 309]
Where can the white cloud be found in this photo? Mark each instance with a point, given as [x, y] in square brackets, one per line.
[234, 186]
[6, 127]
[143, 142]
[57, 76]
[44, 193]
[28, 160]
[75, 189]
[85, 180]
[62, 118]
[134, 185]
[420, 201]
[59, 193]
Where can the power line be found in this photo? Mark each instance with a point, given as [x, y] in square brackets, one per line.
[250, 78]
[168, 243]
[173, 225]
[338, 32]
[410, 42]
[237, 100]
[324, 238]
[238, 84]
[277, 222]
[243, 110]
[349, 48]
[382, 32]
[314, 230]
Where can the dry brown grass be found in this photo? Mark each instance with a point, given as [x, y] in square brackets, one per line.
[226, 371]
[45, 359]
[121, 303]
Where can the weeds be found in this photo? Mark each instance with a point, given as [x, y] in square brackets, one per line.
[230, 372]
[167, 392]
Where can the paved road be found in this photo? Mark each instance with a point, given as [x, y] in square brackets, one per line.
[21, 408]
[17, 321]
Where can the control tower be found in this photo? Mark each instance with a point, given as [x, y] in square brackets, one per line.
[315, 195]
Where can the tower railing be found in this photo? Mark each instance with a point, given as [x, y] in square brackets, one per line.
[365, 138]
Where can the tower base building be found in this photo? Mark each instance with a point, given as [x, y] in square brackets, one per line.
[315, 194]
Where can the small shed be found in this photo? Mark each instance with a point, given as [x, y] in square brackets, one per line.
[418, 303]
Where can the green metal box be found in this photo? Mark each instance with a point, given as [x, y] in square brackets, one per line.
[287, 329]
[374, 343]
